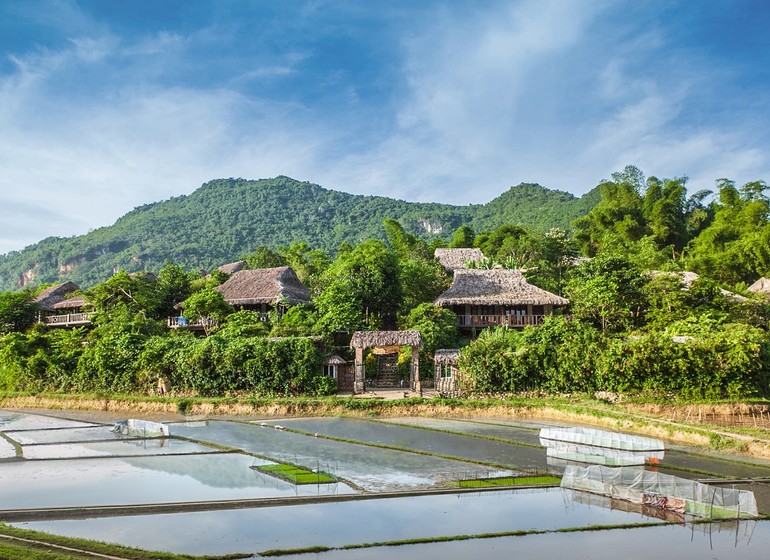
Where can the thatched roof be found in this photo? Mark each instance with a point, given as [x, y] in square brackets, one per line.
[452, 259]
[687, 278]
[335, 360]
[761, 286]
[53, 295]
[497, 286]
[232, 267]
[76, 302]
[369, 339]
[446, 356]
[264, 285]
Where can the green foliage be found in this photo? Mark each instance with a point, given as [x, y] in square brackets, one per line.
[563, 356]
[608, 292]
[206, 303]
[438, 328]
[361, 289]
[736, 245]
[296, 321]
[263, 257]
[174, 284]
[133, 293]
[463, 237]
[17, 311]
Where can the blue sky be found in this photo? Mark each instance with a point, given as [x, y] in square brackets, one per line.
[109, 104]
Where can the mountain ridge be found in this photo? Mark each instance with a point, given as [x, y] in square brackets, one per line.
[225, 219]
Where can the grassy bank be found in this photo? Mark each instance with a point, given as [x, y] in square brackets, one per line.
[22, 544]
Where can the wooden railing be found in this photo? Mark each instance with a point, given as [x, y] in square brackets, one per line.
[183, 323]
[71, 319]
[500, 320]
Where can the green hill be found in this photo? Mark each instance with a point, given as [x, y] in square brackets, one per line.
[227, 218]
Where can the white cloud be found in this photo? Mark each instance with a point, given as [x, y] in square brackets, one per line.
[87, 163]
[558, 92]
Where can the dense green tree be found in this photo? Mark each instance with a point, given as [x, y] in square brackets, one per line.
[173, 286]
[134, 292]
[401, 242]
[663, 209]
[17, 311]
[463, 237]
[617, 219]
[556, 255]
[263, 257]
[207, 303]
[298, 320]
[437, 325]
[607, 291]
[734, 246]
[512, 246]
[361, 290]
[309, 264]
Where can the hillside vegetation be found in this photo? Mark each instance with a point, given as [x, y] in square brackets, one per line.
[226, 219]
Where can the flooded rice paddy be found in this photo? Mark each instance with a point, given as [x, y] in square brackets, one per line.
[389, 473]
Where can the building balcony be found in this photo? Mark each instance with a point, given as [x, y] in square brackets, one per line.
[69, 320]
[201, 323]
[516, 321]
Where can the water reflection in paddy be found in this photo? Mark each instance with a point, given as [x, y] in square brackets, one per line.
[513, 431]
[118, 447]
[159, 477]
[22, 421]
[436, 442]
[139, 480]
[748, 540]
[371, 468]
[341, 523]
[60, 435]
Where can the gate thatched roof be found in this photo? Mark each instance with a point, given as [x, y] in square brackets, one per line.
[53, 295]
[370, 339]
[452, 259]
[446, 356]
[497, 286]
[264, 285]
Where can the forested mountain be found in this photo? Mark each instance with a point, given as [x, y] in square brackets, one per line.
[227, 218]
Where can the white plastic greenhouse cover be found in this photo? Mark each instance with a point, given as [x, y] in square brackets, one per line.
[651, 488]
[601, 438]
[140, 428]
[567, 451]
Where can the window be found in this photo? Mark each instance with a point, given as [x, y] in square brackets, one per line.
[445, 371]
[330, 370]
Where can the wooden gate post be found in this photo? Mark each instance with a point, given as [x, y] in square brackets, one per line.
[358, 380]
[414, 370]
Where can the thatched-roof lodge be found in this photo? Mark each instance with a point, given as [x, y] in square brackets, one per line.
[59, 310]
[491, 297]
[263, 289]
[761, 286]
[52, 295]
[452, 259]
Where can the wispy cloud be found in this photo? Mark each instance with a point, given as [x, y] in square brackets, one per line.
[438, 101]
